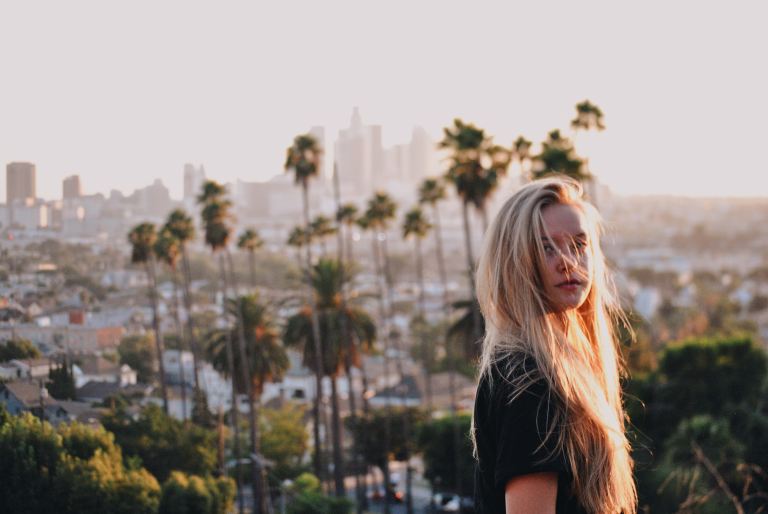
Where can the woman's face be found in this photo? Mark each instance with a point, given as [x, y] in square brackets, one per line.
[567, 268]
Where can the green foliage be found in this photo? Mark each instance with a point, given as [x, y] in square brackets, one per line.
[164, 444]
[284, 440]
[308, 499]
[61, 382]
[190, 494]
[558, 156]
[18, 349]
[709, 376]
[436, 442]
[70, 470]
[138, 352]
[368, 432]
[316, 503]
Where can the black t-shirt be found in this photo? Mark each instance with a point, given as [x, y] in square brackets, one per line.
[508, 435]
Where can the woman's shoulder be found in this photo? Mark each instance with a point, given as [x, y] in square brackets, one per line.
[511, 376]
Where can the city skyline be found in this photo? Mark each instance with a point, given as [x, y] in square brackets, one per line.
[230, 88]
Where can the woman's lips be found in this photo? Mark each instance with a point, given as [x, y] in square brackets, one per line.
[569, 285]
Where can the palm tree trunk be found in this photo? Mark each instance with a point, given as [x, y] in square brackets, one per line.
[385, 326]
[422, 314]
[471, 272]
[252, 267]
[187, 275]
[180, 332]
[319, 468]
[400, 372]
[446, 300]
[235, 406]
[259, 496]
[159, 346]
[338, 465]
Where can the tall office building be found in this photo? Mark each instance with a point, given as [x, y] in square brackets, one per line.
[71, 187]
[360, 156]
[193, 181]
[20, 182]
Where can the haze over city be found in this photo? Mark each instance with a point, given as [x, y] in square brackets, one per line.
[124, 94]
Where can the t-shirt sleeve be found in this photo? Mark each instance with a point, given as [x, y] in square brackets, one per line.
[520, 427]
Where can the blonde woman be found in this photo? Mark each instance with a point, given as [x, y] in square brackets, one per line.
[548, 424]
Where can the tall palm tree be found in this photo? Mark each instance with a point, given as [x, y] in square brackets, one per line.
[216, 216]
[337, 322]
[167, 250]
[346, 215]
[431, 192]
[589, 117]
[303, 159]
[558, 156]
[250, 241]
[182, 227]
[142, 238]
[415, 225]
[298, 238]
[322, 228]
[521, 152]
[381, 212]
[267, 359]
[477, 165]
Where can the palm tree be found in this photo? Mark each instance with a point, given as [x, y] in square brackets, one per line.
[216, 218]
[298, 238]
[321, 228]
[521, 152]
[475, 167]
[303, 159]
[180, 224]
[559, 157]
[588, 117]
[346, 215]
[142, 238]
[250, 241]
[337, 322]
[267, 362]
[380, 213]
[168, 251]
[477, 164]
[415, 225]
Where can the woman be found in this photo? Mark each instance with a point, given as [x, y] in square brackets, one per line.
[548, 425]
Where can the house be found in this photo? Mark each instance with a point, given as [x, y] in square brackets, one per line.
[22, 396]
[93, 368]
[31, 368]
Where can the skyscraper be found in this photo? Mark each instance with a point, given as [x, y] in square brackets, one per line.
[20, 182]
[71, 187]
[360, 156]
[193, 181]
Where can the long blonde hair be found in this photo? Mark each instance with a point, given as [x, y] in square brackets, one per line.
[574, 351]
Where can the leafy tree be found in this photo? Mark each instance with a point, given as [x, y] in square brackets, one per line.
[136, 352]
[368, 433]
[18, 349]
[284, 440]
[308, 499]
[435, 440]
[61, 382]
[163, 443]
[74, 469]
[191, 494]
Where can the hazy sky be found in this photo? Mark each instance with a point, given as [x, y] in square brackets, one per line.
[124, 92]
